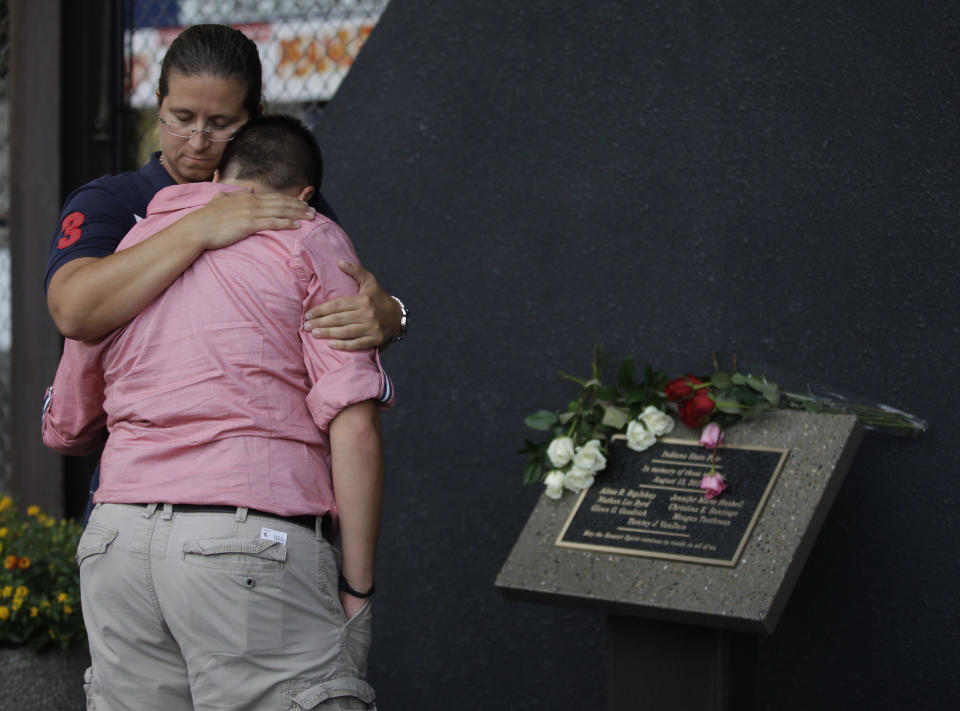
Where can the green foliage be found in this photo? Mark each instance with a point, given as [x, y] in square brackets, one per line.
[39, 580]
[542, 420]
[598, 413]
[602, 411]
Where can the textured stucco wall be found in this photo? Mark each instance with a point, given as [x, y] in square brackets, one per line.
[774, 180]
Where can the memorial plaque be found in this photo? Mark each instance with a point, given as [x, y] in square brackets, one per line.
[650, 503]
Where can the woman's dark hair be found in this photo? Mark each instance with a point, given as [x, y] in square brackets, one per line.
[218, 50]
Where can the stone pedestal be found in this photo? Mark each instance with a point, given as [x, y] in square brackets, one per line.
[690, 615]
[664, 665]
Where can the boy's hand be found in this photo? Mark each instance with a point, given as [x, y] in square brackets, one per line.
[351, 604]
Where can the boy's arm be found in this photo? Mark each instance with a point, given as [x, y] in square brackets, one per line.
[74, 421]
[347, 390]
[357, 458]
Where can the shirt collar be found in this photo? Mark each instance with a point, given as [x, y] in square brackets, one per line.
[155, 173]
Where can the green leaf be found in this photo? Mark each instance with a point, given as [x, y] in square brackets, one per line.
[730, 408]
[542, 420]
[573, 406]
[533, 472]
[607, 393]
[738, 379]
[625, 374]
[721, 381]
[760, 384]
[566, 417]
[637, 394]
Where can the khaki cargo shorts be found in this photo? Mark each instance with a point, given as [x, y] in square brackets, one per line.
[216, 611]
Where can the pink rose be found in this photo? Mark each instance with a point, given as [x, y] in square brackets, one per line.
[712, 436]
[713, 485]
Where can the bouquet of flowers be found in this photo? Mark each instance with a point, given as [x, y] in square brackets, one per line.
[640, 411]
[39, 581]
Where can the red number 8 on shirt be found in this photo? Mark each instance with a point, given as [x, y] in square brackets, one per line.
[71, 229]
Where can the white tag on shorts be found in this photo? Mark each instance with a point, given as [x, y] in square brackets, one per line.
[268, 534]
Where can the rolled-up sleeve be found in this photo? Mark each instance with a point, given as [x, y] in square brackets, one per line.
[74, 421]
[338, 378]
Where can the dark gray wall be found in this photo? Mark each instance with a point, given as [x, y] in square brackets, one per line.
[775, 180]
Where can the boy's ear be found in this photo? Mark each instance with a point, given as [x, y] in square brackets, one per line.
[305, 194]
[216, 175]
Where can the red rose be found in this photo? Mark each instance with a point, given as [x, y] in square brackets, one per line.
[681, 388]
[695, 410]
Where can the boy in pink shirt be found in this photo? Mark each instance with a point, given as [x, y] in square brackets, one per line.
[239, 444]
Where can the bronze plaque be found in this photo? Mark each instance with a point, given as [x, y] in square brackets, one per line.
[650, 503]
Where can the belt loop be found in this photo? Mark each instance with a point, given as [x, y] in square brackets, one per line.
[167, 511]
[148, 512]
[241, 514]
[318, 527]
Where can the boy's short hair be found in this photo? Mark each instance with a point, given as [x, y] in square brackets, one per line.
[276, 150]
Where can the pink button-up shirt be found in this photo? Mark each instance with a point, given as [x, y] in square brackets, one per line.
[214, 394]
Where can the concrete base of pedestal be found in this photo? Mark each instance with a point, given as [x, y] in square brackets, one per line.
[665, 666]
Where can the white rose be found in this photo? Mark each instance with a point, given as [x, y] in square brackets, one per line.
[554, 484]
[560, 451]
[657, 421]
[577, 479]
[639, 437]
[589, 457]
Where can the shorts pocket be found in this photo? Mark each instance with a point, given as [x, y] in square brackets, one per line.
[246, 555]
[95, 540]
[89, 689]
[345, 693]
[359, 634]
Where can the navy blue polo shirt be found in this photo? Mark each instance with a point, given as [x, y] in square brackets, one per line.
[96, 216]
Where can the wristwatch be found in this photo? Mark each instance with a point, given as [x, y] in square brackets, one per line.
[404, 320]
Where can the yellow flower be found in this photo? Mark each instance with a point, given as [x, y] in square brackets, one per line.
[3, 531]
[4, 612]
[67, 609]
[17, 604]
[62, 597]
[48, 522]
[7, 591]
[10, 562]
[45, 603]
[24, 563]
[22, 591]
[5, 503]
[33, 510]
[34, 611]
